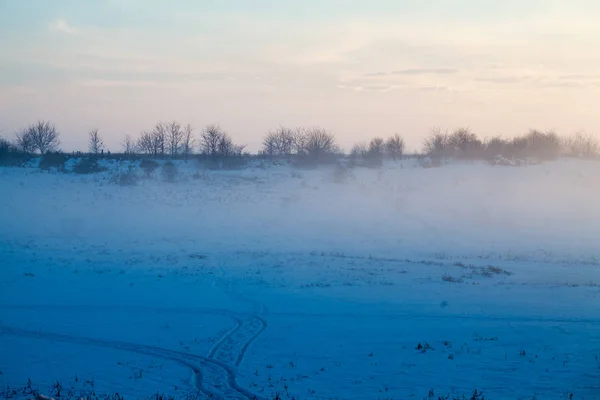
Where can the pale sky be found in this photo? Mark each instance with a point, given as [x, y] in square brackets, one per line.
[359, 68]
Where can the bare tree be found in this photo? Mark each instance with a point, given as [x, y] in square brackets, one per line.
[280, 142]
[159, 137]
[24, 142]
[376, 147]
[465, 144]
[174, 137]
[129, 145]
[42, 137]
[359, 150]
[147, 144]
[300, 141]
[187, 144]
[496, 146]
[394, 147]
[95, 143]
[582, 145]
[210, 138]
[228, 148]
[436, 144]
[318, 142]
[214, 141]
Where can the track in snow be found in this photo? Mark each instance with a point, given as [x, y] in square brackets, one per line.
[215, 374]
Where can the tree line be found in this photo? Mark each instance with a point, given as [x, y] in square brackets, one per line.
[173, 140]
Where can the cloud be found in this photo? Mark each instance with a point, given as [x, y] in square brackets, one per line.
[503, 79]
[375, 74]
[424, 71]
[580, 77]
[436, 89]
[62, 26]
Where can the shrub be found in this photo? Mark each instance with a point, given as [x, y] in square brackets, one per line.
[394, 147]
[544, 146]
[10, 156]
[495, 147]
[374, 156]
[5, 146]
[581, 145]
[149, 166]
[169, 172]
[359, 150]
[463, 143]
[14, 159]
[88, 166]
[53, 160]
[126, 178]
[436, 145]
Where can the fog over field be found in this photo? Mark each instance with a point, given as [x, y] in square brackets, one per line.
[299, 200]
[317, 283]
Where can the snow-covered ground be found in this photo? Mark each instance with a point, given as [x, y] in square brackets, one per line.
[396, 283]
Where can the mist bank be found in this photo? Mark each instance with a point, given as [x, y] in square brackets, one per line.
[400, 210]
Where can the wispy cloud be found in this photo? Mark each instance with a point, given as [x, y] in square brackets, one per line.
[60, 25]
[503, 79]
[580, 77]
[426, 71]
[375, 74]
[436, 89]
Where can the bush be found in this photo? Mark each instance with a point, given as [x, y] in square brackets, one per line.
[126, 178]
[222, 162]
[464, 144]
[5, 146]
[359, 150]
[53, 160]
[436, 145]
[394, 147]
[169, 172]
[88, 166]
[544, 146]
[14, 159]
[374, 156]
[10, 156]
[149, 166]
[582, 145]
[495, 147]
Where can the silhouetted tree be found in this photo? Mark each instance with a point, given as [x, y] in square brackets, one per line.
[24, 142]
[376, 147]
[129, 145]
[214, 141]
[465, 144]
[315, 142]
[394, 147]
[95, 143]
[159, 137]
[187, 145]
[41, 137]
[174, 138]
[280, 142]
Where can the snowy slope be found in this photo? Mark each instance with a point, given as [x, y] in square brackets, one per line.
[400, 282]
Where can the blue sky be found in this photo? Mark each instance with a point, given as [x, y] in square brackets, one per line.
[359, 68]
